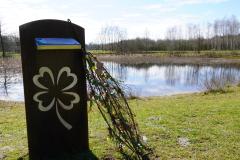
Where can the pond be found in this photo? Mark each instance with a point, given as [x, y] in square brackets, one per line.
[159, 80]
[140, 80]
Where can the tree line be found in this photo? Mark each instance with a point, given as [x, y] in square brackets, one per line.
[8, 42]
[222, 34]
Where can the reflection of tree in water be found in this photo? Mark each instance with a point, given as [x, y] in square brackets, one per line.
[5, 80]
[195, 75]
[143, 68]
[172, 74]
[10, 71]
[229, 74]
[219, 76]
[118, 71]
[191, 75]
[179, 76]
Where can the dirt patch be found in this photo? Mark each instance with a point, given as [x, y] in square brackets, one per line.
[183, 141]
[2, 156]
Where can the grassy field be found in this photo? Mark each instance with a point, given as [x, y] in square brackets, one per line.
[188, 126]
[100, 52]
[11, 54]
[209, 54]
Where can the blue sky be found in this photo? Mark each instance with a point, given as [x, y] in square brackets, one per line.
[136, 16]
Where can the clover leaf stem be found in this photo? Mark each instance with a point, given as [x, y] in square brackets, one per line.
[66, 124]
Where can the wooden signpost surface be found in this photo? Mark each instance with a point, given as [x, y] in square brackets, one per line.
[55, 90]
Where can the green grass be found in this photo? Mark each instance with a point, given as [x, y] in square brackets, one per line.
[211, 123]
[101, 51]
[11, 54]
[209, 54]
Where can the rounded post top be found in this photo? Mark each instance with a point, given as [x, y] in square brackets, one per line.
[49, 28]
[49, 22]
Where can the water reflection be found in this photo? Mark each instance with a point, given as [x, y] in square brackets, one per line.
[141, 80]
[155, 80]
[10, 79]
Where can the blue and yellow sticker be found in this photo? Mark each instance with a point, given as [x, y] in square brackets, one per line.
[57, 44]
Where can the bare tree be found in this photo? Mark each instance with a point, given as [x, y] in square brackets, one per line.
[111, 38]
[2, 42]
[198, 36]
[221, 34]
[171, 37]
[146, 39]
[209, 35]
[234, 29]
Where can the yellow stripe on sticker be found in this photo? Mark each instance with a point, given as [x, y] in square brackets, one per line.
[58, 47]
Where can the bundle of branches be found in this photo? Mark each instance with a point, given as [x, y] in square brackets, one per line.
[106, 92]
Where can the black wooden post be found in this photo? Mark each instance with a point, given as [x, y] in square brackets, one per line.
[55, 88]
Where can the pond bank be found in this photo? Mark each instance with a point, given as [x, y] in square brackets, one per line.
[156, 59]
[152, 58]
[186, 126]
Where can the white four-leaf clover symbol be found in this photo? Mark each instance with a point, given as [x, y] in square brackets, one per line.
[56, 100]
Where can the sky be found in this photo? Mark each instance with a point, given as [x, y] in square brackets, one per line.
[135, 16]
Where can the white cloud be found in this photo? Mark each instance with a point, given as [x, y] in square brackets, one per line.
[132, 15]
[183, 2]
[155, 6]
[93, 14]
[161, 7]
[172, 5]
